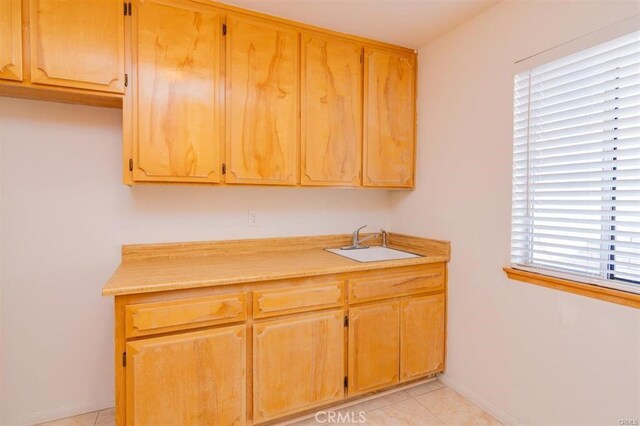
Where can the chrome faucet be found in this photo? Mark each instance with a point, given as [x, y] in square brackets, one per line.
[356, 241]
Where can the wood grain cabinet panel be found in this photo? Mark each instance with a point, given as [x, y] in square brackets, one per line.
[262, 122]
[173, 315]
[331, 150]
[299, 298]
[374, 347]
[92, 32]
[193, 378]
[11, 40]
[389, 119]
[421, 336]
[176, 58]
[298, 363]
[384, 285]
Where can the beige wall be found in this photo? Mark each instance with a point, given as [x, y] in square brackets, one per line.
[529, 354]
[65, 215]
[526, 353]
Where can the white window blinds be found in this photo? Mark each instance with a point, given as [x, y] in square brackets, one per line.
[576, 166]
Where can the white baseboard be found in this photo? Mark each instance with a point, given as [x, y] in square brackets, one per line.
[496, 412]
[57, 413]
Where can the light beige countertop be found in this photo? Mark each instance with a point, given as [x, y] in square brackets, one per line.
[161, 267]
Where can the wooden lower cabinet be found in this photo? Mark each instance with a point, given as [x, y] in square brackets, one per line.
[257, 353]
[192, 378]
[421, 336]
[298, 363]
[374, 347]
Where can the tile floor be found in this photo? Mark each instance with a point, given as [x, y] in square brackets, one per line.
[96, 418]
[426, 404]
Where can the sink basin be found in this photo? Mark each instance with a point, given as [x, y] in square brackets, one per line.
[374, 254]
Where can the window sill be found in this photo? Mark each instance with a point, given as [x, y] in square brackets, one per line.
[607, 294]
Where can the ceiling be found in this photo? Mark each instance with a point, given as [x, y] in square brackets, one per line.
[409, 23]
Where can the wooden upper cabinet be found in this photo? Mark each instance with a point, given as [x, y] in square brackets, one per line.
[77, 44]
[421, 336]
[176, 77]
[11, 40]
[331, 151]
[215, 95]
[262, 124]
[193, 378]
[389, 118]
[374, 347]
[298, 363]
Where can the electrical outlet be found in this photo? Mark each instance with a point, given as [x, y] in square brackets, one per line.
[252, 219]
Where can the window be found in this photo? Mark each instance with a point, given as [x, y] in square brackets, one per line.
[576, 166]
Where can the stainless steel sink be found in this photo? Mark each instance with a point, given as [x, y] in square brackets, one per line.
[373, 254]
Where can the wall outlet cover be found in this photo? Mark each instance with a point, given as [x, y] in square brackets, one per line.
[252, 219]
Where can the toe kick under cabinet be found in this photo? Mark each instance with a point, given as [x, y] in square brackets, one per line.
[258, 352]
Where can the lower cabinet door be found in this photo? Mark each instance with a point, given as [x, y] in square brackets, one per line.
[298, 363]
[422, 336]
[192, 378]
[373, 347]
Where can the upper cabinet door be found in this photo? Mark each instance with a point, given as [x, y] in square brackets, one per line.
[389, 108]
[11, 40]
[331, 111]
[92, 32]
[262, 123]
[176, 78]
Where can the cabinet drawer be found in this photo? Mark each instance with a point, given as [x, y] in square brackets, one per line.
[384, 285]
[161, 317]
[267, 303]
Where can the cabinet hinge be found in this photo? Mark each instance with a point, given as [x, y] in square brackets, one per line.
[124, 359]
[130, 164]
[362, 57]
[224, 29]
[346, 382]
[126, 80]
[346, 320]
[224, 168]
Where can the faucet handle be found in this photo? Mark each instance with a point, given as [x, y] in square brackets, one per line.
[358, 230]
[356, 233]
[356, 236]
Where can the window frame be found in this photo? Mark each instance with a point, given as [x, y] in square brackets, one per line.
[595, 288]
